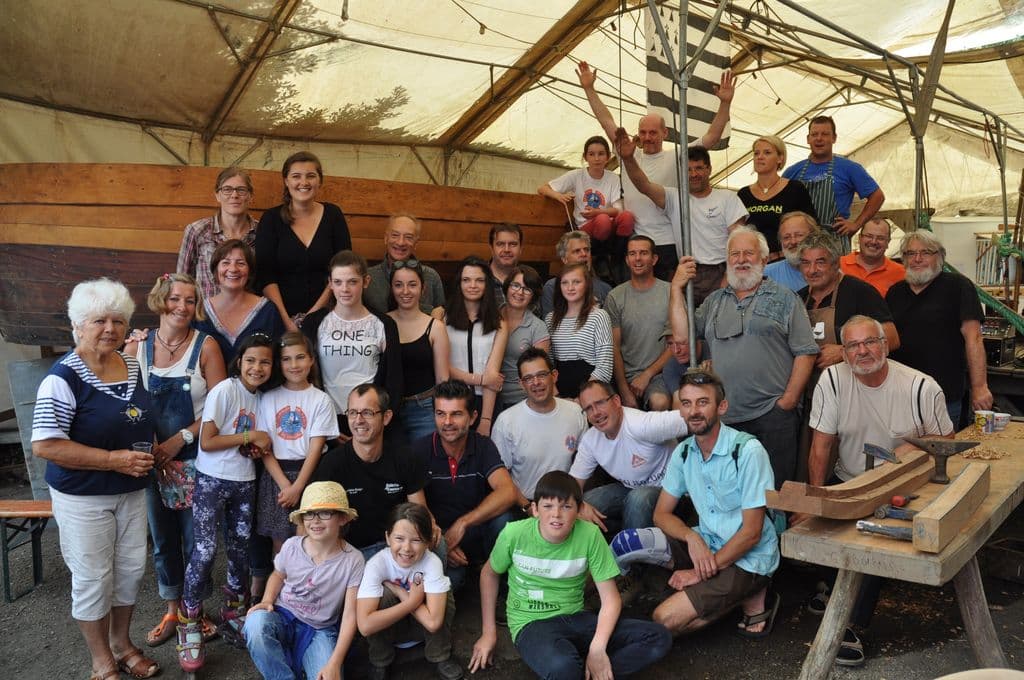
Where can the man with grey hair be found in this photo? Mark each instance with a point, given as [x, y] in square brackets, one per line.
[572, 248]
[400, 237]
[869, 263]
[651, 220]
[868, 399]
[794, 227]
[831, 298]
[760, 342]
[938, 317]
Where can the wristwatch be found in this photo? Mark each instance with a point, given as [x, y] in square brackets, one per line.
[187, 436]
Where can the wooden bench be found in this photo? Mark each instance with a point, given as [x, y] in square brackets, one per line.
[23, 522]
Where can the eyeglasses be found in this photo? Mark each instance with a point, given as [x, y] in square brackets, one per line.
[411, 263]
[518, 287]
[911, 254]
[700, 378]
[366, 413]
[589, 408]
[867, 343]
[533, 377]
[322, 515]
[240, 191]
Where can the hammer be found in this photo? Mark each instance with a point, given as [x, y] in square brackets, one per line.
[941, 450]
[887, 511]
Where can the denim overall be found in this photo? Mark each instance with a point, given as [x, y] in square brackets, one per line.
[171, 529]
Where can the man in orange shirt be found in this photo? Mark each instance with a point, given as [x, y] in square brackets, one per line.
[870, 264]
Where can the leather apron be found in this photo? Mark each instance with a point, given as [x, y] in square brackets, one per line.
[823, 327]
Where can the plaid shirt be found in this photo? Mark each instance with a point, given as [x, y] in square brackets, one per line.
[197, 245]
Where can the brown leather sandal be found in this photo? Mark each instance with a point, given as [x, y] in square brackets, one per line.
[142, 668]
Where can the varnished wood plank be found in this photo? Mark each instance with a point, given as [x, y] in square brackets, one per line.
[942, 519]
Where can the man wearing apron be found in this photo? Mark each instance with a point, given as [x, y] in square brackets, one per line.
[830, 299]
[832, 180]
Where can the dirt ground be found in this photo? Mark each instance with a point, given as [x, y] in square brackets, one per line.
[917, 632]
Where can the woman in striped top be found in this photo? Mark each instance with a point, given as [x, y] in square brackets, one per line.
[581, 332]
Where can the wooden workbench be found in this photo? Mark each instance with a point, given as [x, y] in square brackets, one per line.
[838, 544]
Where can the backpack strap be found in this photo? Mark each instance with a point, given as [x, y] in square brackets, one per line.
[741, 440]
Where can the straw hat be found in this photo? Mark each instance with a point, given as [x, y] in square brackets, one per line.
[323, 496]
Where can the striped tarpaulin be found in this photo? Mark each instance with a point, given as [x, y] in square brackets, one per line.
[662, 95]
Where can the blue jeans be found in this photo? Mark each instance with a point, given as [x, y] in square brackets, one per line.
[635, 507]
[477, 543]
[556, 648]
[172, 542]
[418, 417]
[266, 637]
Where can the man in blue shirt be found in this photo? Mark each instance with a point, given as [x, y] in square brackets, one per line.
[727, 560]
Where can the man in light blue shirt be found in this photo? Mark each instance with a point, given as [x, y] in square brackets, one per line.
[727, 560]
[794, 227]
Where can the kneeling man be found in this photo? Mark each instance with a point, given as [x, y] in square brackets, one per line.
[729, 557]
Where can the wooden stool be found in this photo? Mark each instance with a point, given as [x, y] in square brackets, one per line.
[24, 521]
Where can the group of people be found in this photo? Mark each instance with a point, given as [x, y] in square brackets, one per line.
[358, 438]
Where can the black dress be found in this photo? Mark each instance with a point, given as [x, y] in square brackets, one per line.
[299, 272]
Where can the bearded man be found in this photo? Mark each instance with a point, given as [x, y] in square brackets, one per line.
[761, 345]
[794, 227]
[938, 317]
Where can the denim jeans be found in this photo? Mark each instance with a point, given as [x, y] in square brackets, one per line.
[418, 417]
[477, 543]
[635, 507]
[172, 542]
[266, 638]
[556, 648]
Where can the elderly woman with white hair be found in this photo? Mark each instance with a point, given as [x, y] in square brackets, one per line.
[92, 425]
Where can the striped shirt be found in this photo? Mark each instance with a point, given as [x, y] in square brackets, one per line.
[591, 343]
[201, 238]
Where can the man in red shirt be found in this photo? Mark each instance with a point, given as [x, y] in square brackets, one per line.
[870, 264]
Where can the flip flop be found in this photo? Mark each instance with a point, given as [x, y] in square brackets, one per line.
[143, 667]
[163, 631]
[767, 617]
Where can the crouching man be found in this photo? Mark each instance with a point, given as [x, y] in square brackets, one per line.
[548, 558]
[726, 560]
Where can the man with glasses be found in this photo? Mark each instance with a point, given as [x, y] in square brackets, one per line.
[794, 227]
[832, 181]
[541, 433]
[761, 345]
[376, 477]
[400, 238]
[506, 241]
[727, 559]
[638, 309]
[938, 317]
[572, 248]
[468, 489]
[632, 447]
[867, 399]
[831, 298]
[869, 263]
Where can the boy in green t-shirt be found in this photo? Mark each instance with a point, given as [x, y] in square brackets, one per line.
[548, 558]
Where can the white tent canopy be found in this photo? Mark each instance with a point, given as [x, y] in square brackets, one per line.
[482, 93]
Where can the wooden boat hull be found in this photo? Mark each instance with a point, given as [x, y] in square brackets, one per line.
[63, 223]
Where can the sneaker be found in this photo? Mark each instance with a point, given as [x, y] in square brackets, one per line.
[851, 650]
[448, 670]
[191, 648]
[819, 601]
[232, 619]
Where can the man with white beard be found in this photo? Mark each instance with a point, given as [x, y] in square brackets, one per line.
[938, 317]
[794, 227]
[761, 345]
[868, 399]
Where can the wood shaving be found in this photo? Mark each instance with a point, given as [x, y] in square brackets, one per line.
[983, 452]
[989, 441]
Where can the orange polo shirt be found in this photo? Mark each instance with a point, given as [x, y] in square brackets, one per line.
[881, 278]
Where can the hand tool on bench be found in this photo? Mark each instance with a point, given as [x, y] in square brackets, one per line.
[887, 511]
[941, 450]
[872, 451]
[899, 533]
[900, 501]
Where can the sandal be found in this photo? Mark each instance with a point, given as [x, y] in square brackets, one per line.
[767, 617]
[163, 631]
[112, 673]
[142, 668]
[851, 650]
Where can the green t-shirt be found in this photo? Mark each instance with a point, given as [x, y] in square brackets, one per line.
[546, 579]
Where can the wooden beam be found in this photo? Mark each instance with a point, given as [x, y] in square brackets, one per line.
[943, 518]
[568, 32]
[280, 15]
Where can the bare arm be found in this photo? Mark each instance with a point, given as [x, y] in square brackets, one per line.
[211, 365]
[725, 91]
[626, 147]
[599, 666]
[483, 650]
[619, 370]
[743, 540]
[270, 592]
[440, 348]
[977, 369]
[817, 463]
[677, 315]
[70, 454]
[588, 78]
